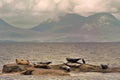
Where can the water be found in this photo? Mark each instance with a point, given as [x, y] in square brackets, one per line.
[93, 53]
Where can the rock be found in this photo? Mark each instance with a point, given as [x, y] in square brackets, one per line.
[9, 68]
[50, 72]
[89, 68]
[27, 72]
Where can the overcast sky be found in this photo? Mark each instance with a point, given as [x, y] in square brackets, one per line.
[28, 13]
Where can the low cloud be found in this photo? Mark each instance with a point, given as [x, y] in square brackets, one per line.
[45, 9]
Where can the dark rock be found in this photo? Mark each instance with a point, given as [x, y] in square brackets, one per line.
[28, 72]
[9, 68]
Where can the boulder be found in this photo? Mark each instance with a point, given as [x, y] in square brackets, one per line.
[50, 72]
[28, 72]
[89, 68]
[9, 68]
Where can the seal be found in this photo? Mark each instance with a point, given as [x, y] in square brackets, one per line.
[103, 66]
[73, 60]
[45, 62]
[22, 62]
[73, 65]
[66, 68]
[44, 66]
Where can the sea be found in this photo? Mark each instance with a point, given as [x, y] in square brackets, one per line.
[93, 53]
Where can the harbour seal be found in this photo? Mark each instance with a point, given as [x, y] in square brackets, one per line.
[103, 66]
[44, 66]
[22, 62]
[73, 60]
[27, 72]
[45, 62]
[67, 68]
[73, 65]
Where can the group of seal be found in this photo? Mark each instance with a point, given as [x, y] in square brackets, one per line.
[72, 63]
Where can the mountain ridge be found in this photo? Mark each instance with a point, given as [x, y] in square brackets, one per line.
[72, 27]
[100, 27]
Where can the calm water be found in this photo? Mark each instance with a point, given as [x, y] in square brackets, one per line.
[93, 53]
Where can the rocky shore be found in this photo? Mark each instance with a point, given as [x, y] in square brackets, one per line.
[24, 67]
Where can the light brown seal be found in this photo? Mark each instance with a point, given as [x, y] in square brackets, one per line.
[22, 62]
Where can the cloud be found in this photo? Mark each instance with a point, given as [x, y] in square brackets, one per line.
[89, 7]
[45, 9]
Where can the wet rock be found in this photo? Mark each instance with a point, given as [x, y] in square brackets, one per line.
[50, 72]
[28, 72]
[9, 68]
[89, 68]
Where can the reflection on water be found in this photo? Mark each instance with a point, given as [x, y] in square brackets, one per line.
[93, 53]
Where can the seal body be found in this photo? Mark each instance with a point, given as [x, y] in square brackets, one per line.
[104, 66]
[45, 62]
[73, 65]
[67, 68]
[73, 60]
[22, 62]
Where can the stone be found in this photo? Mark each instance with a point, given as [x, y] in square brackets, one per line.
[9, 68]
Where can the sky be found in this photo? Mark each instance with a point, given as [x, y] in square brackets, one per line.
[29, 13]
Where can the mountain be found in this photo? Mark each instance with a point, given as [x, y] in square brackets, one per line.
[10, 33]
[100, 27]
[64, 22]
